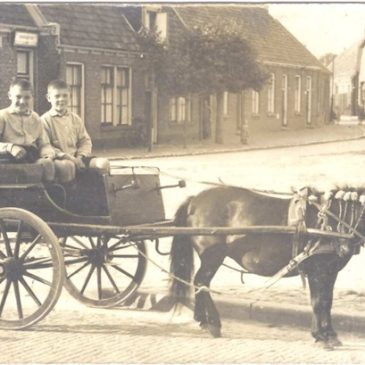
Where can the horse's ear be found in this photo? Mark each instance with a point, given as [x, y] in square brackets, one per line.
[303, 191]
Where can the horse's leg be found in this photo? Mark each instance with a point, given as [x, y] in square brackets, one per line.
[321, 279]
[205, 311]
[327, 317]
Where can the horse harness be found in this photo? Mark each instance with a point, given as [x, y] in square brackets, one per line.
[302, 248]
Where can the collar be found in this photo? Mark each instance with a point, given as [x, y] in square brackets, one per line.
[13, 111]
[55, 113]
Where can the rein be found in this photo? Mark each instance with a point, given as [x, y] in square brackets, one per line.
[222, 183]
[353, 229]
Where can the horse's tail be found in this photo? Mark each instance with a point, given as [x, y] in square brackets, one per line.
[181, 257]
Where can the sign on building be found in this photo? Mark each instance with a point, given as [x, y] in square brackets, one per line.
[25, 39]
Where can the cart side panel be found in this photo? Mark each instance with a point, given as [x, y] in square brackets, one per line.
[87, 195]
[35, 199]
[134, 199]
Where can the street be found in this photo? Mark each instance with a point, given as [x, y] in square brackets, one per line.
[74, 333]
[85, 335]
[321, 166]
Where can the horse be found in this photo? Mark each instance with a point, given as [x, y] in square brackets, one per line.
[339, 210]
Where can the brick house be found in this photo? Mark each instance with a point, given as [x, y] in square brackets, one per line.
[93, 48]
[19, 38]
[296, 96]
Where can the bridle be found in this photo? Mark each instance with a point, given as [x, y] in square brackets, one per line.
[324, 212]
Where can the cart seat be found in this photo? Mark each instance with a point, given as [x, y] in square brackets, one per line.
[20, 173]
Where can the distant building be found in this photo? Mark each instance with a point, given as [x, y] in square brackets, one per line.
[349, 82]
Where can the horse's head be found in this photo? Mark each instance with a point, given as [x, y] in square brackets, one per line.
[342, 210]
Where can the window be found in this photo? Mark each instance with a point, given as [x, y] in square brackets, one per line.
[362, 91]
[284, 105]
[225, 103]
[74, 80]
[107, 78]
[115, 95]
[122, 94]
[271, 95]
[309, 84]
[255, 102]
[308, 89]
[24, 65]
[156, 20]
[151, 17]
[297, 93]
[180, 109]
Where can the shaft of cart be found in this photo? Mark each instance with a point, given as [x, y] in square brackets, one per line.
[167, 230]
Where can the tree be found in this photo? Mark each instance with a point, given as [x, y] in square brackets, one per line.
[206, 60]
[327, 58]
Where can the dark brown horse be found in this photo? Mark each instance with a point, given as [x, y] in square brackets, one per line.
[266, 254]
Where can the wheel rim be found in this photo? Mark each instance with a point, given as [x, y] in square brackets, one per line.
[31, 269]
[103, 271]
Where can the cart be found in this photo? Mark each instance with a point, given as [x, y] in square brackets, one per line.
[89, 237]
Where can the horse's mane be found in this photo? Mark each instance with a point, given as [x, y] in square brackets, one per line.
[335, 188]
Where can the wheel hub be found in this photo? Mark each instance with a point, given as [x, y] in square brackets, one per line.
[96, 256]
[12, 268]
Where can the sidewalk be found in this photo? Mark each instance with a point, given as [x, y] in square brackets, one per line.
[277, 307]
[263, 140]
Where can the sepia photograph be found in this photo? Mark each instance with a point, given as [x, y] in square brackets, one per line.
[181, 182]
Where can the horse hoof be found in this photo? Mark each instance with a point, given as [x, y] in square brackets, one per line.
[335, 342]
[214, 330]
[325, 345]
[203, 326]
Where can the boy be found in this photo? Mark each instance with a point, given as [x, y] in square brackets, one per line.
[22, 136]
[67, 133]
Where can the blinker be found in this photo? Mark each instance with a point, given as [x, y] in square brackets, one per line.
[347, 196]
[340, 194]
[362, 199]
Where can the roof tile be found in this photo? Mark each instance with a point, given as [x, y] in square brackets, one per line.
[272, 41]
[15, 14]
[345, 64]
[96, 26]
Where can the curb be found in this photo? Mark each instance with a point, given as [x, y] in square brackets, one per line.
[300, 316]
[243, 310]
[227, 150]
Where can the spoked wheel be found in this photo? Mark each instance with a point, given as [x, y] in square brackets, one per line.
[103, 271]
[31, 269]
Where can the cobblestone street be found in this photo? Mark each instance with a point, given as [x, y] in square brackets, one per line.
[86, 335]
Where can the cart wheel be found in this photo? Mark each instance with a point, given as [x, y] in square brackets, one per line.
[31, 269]
[103, 271]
